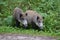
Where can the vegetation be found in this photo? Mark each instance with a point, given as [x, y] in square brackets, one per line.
[22, 31]
[50, 9]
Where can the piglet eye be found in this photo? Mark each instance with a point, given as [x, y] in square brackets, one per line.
[37, 17]
[26, 14]
[21, 15]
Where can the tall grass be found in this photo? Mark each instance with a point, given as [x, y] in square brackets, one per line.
[50, 9]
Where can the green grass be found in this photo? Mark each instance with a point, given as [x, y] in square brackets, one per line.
[8, 29]
[49, 9]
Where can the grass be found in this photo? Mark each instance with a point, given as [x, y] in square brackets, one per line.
[8, 29]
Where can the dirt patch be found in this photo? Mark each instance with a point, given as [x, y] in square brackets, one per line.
[23, 37]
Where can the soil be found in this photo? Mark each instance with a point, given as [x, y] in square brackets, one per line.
[24, 37]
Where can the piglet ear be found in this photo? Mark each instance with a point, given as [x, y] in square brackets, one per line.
[43, 17]
[26, 14]
[37, 17]
[21, 15]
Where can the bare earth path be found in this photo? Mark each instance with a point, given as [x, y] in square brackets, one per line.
[23, 37]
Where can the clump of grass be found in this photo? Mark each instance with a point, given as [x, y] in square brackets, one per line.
[8, 29]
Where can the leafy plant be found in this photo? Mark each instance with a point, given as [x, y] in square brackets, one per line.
[50, 9]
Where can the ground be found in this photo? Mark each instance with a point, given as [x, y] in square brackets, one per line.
[24, 37]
